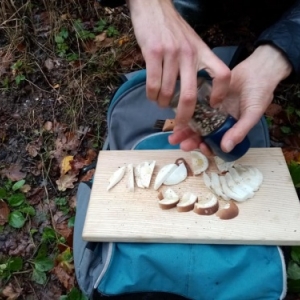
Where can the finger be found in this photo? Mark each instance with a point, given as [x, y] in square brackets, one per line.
[221, 79]
[239, 131]
[190, 144]
[169, 77]
[154, 61]
[188, 92]
[180, 134]
[205, 149]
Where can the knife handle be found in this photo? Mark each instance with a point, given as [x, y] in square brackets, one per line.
[169, 125]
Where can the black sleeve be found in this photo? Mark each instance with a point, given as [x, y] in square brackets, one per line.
[111, 3]
[285, 34]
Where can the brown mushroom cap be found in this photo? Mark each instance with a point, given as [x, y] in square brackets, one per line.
[168, 203]
[230, 211]
[207, 206]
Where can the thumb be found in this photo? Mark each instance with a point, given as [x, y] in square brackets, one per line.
[248, 119]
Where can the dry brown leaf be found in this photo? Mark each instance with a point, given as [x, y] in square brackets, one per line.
[25, 188]
[66, 182]
[4, 212]
[36, 195]
[290, 154]
[65, 231]
[32, 150]
[88, 176]
[65, 164]
[273, 110]
[11, 293]
[13, 173]
[66, 280]
[123, 40]
[100, 37]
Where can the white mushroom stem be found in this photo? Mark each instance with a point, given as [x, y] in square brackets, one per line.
[116, 177]
[130, 179]
[163, 174]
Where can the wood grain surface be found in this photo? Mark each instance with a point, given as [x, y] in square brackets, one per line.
[271, 217]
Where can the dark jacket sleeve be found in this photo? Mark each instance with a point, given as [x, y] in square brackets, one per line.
[285, 34]
[111, 3]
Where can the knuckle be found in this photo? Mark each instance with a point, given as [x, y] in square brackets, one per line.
[188, 98]
[166, 93]
[188, 50]
[156, 50]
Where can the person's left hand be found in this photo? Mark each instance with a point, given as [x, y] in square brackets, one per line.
[251, 90]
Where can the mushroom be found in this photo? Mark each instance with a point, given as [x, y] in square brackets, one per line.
[188, 168]
[222, 165]
[251, 175]
[230, 193]
[163, 174]
[207, 206]
[143, 173]
[177, 176]
[130, 179]
[229, 211]
[199, 162]
[168, 199]
[216, 186]
[186, 203]
[116, 177]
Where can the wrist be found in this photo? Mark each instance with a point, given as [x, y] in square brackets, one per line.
[273, 62]
[136, 6]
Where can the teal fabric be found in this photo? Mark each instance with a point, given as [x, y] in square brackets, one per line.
[200, 272]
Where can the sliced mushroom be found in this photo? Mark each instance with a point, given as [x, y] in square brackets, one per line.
[188, 168]
[163, 174]
[237, 189]
[207, 180]
[231, 194]
[229, 211]
[222, 165]
[251, 175]
[116, 177]
[177, 176]
[216, 186]
[207, 206]
[199, 162]
[137, 175]
[240, 181]
[146, 170]
[130, 179]
[186, 203]
[169, 199]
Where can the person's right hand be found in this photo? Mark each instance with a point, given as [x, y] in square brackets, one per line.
[172, 49]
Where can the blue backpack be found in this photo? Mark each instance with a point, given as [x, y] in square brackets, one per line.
[169, 271]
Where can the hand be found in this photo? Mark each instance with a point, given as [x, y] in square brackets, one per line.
[252, 85]
[251, 91]
[171, 48]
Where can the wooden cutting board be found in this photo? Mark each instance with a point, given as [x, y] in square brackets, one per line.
[271, 217]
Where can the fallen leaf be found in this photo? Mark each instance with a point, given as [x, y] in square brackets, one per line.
[100, 37]
[11, 293]
[35, 196]
[65, 164]
[25, 188]
[290, 154]
[65, 231]
[66, 280]
[56, 86]
[88, 176]
[32, 150]
[66, 182]
[123, 40]
[13, 173]
[4, 212]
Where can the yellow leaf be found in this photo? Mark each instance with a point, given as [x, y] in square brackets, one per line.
[123, 40]
[65, 164]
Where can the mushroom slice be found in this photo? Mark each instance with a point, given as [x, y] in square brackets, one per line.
[116, 177]
[207, 206]
[177, 176]
[240, 181]
[216, 186]
[186, 203]
[169, 200]
[137, 175]
[229, 211]
[199, 162]
[251, 175]
[207, 180]
[130, 179]
[146, 170]
[236, 188]
[222, 165]
[162, 175]
[228, 192]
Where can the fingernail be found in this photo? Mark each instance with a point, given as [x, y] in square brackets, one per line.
[229, 145]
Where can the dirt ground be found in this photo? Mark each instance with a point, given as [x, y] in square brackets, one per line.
[59, 65]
